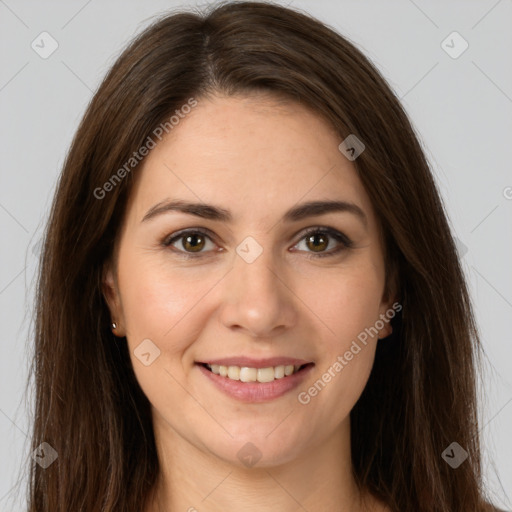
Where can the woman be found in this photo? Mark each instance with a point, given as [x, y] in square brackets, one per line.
[245, 284]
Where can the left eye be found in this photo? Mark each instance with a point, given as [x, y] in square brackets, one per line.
[317, 240]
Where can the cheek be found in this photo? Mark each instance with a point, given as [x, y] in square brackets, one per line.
[343, 302]
[345, 356]
[161, 305]
[345, 307]
[166, 309]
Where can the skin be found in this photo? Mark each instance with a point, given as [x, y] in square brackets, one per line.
[256, 157]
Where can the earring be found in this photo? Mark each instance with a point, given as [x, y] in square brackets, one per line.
[114, 326]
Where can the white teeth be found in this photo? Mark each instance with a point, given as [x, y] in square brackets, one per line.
[246, 374]
[279, 372]
[234, 372]
[288, 370]
[266, 374]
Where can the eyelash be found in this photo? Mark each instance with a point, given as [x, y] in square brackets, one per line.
[345, 241]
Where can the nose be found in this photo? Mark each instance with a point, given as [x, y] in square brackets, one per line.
[258, 298]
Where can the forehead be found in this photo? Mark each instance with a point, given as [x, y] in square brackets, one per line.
[256, 156]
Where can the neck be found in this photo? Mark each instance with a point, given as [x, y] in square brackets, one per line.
[192, 479]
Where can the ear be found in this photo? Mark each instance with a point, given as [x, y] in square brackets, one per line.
[390, 304]
[386, 312]
[112, 297]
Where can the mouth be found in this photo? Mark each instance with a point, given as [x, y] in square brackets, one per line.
[256, 380]
[248, 374]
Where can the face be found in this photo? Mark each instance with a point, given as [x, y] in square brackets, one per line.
[250, 277]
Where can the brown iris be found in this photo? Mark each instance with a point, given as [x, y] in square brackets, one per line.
[192, 242]
[322, 245]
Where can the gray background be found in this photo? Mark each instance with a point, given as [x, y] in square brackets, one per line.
[460, 107]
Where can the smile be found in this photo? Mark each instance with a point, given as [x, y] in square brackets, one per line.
[254, 381]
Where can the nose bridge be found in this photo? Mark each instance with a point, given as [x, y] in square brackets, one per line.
[256, 273]
[256, 298]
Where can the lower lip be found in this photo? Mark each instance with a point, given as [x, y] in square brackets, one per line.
[256, 391]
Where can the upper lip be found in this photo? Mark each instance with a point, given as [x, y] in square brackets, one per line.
[249, 362]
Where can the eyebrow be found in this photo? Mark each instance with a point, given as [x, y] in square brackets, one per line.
[297, 213]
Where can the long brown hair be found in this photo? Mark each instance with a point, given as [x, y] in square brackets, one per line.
[421, 395]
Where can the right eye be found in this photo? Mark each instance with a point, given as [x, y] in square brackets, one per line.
[192, 242]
